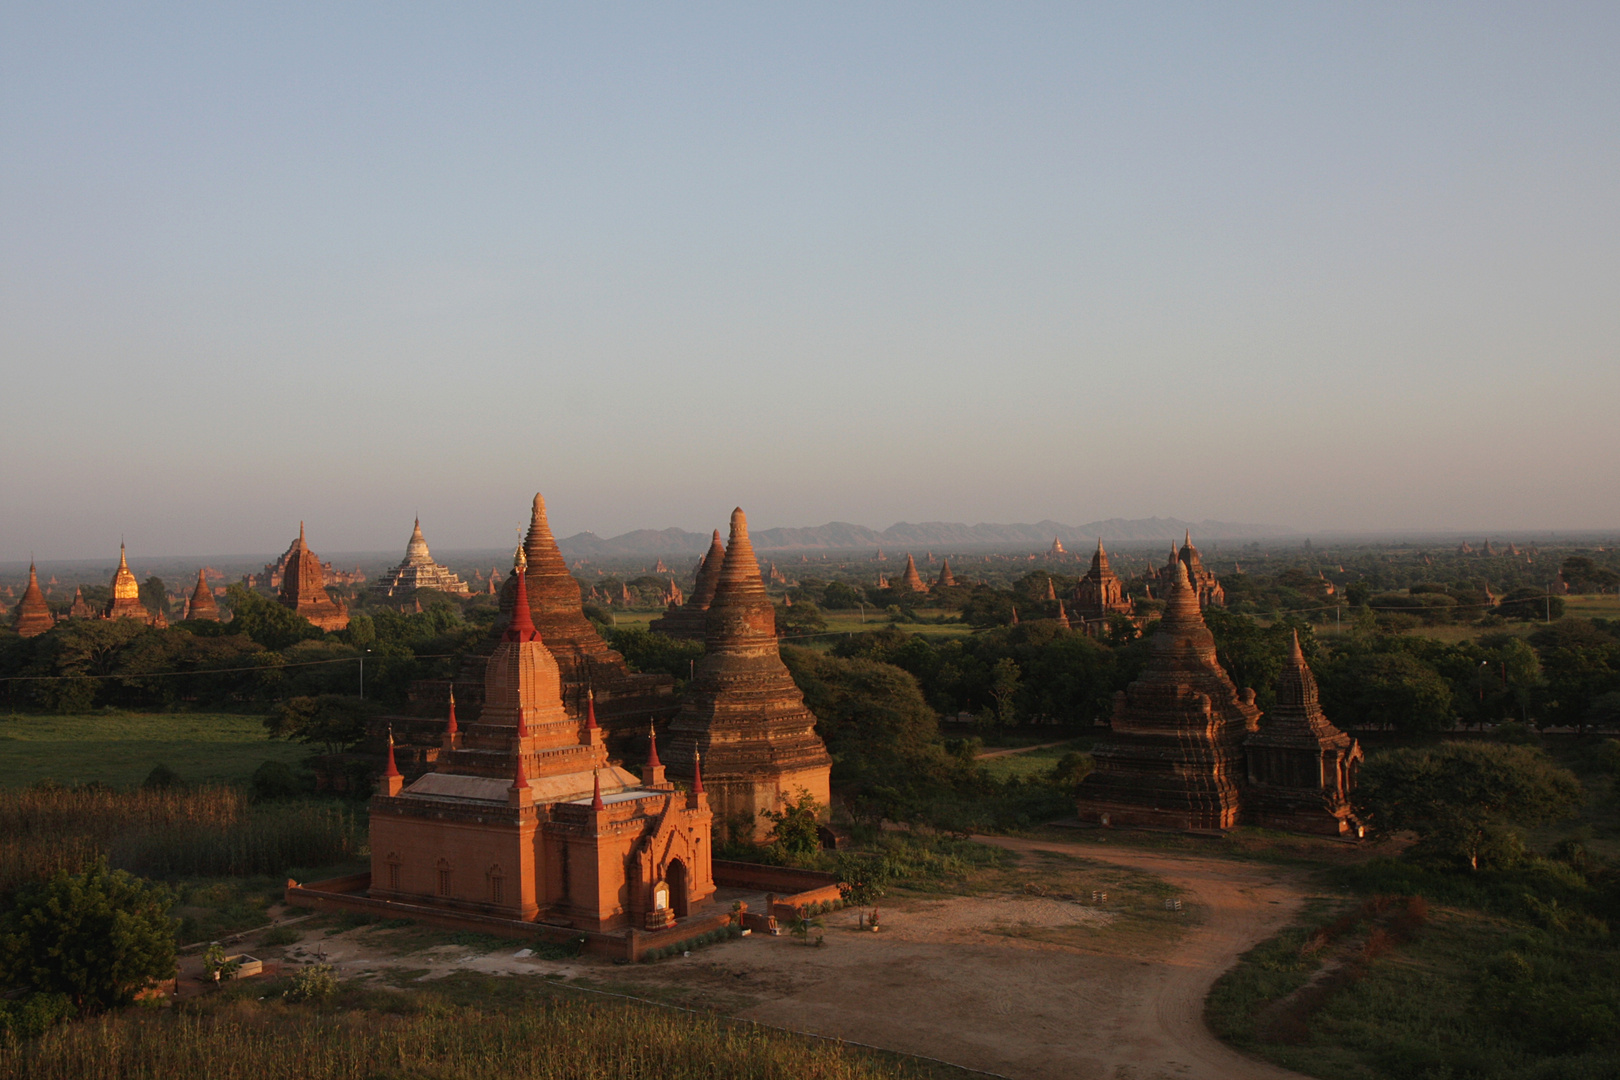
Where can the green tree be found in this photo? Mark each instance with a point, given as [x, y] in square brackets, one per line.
[1004, 682]
[1386, 690]
[333, 721]
[645, 650]
[265, 621]
[154, 595]
[795, 829]
[1460, 798]
[98, 937]
[1531, 604]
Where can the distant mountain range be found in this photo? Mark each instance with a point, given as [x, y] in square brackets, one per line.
[928, 535]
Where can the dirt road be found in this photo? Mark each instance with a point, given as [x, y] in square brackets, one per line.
[1033, 987]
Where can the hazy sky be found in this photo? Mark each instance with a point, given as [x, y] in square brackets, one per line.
[1330, 267]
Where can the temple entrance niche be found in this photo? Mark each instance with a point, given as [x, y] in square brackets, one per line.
[676, 877]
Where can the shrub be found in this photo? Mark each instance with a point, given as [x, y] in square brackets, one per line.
[314, 983]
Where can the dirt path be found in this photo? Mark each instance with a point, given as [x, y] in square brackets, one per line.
[1032, 987]
[1017, 750]
[1163, 1031]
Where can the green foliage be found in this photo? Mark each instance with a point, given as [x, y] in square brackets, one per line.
[267, 623]
[1460, 798]
[154, 595]
[315, 983]
[98, 937]
[334, 721]
[31, 1015]
[645, 650]
[1392, 690]
[1531, 604]
[1071, 769]
[274, 780]
[795, 827]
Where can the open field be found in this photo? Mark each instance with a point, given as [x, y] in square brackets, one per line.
[1004, 764]
[838, 622]
[120, 748]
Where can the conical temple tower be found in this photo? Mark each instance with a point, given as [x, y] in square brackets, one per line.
[911, 581]
[126, 593]
[1175, 757]
[202, 604]
[1302, 769]
[946, 579]
[625, 701]
[743, 711]
[33, 613]
[303, 587]
[689, 620]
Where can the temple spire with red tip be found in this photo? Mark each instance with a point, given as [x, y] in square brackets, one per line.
[393, 769]
[520, 776]
[521, 628]
[450, 727]
[652, 746]
[596, 795]
[590, 710]
[697, 772]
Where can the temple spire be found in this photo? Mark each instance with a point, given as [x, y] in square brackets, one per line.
[590, 710]
[521, 628]
[450, 727]
[652, 746]
[697, 772]
[393, 769]
[596, 794]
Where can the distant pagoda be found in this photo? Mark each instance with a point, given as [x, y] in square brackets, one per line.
[303, 587]
[418, 571]
[911, 581]
[33, 613]
[687, 620]
[742, 711]
[202, 604]
[1100, 593]
[126, 594]
[80, 608]
[1175, 756]
[946, 579]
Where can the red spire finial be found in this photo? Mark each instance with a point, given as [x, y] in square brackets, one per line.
[451, 728]
[392, 770]
[652, 747]
[697, 772]
[521, 628]
[522, 724]
[520, 779]
[596, 796]
[590, 710]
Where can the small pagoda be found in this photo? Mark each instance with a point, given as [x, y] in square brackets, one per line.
[1100, 594]
[126, 594]
[742, 711]
[946, 579]
[1301, 769]
[418, 571]
[202, 604]
[687, 619]
[33, 613]
[911, 581]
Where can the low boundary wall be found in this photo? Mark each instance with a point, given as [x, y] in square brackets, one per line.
[346, 894]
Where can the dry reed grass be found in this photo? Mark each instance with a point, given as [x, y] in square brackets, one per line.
[206, 831]
[549, 1040]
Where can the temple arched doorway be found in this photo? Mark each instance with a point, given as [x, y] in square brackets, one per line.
[676, 876]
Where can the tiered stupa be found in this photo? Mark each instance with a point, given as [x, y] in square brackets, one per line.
[126, 594]
[946, 579]
[202, 604]
[523, 816]
[1056, 550]
[33, 613]
[1302, 769]
[743, 711]
[687, 619]
[911, 581]
[625, 701]
[303, 587]
[418, 571]
[1100, 593]
[1175, 756]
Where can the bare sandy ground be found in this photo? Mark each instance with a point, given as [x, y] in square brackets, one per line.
[953, 979]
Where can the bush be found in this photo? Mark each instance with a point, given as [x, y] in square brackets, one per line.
[162, 778]
[274, 780]
[98, 937]
[314, 983]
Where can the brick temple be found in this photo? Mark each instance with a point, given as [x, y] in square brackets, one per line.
[1100, 594]
[201, 604]
[523, 817]
[33, 614]
[1189, 750]
[1175, 756]
[742, 711]
[303, 587]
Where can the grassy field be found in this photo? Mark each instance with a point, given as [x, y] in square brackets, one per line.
[838, 622]
[1030, 763]
[120, 748]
